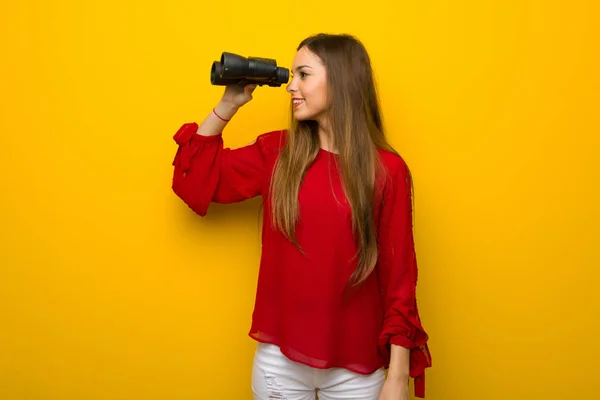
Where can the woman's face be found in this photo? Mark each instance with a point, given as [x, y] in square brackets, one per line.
[308, 86]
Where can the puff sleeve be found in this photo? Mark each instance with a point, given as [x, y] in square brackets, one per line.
[397, 275]
[205, 171]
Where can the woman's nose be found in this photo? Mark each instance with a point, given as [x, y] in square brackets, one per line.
[290, 88]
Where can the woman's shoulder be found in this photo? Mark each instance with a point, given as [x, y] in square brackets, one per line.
[393, 161]
[396, 174]
[271, 141]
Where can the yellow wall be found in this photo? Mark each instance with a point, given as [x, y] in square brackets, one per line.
[110, 288]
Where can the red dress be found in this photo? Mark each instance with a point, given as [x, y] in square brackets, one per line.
[299, 304]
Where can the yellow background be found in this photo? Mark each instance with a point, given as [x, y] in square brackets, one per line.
[110, 288]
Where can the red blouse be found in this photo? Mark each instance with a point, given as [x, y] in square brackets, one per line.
[299, 304]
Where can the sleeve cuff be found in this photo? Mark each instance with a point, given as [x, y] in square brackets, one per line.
[188, 131]
[400, 340]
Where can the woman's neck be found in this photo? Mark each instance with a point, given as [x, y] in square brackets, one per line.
[325, 136]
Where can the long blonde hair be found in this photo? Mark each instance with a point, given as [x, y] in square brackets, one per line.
[356, 131]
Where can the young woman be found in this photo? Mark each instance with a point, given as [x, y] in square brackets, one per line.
[336, 298]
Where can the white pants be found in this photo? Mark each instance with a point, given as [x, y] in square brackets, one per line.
[276, 377]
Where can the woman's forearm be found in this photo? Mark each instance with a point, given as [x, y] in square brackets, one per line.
[399, 363]
[213, 125]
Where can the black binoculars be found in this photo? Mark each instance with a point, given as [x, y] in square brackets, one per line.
[235, 69]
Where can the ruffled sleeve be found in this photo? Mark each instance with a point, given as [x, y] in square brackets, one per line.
[397, 274]
[205, 171]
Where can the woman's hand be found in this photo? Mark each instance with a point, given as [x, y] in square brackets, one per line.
[394, 389]
[238, 95]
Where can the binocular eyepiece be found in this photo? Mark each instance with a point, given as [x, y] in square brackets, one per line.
[235, 69]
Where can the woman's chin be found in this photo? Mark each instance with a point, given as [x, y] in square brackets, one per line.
[300, 116]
